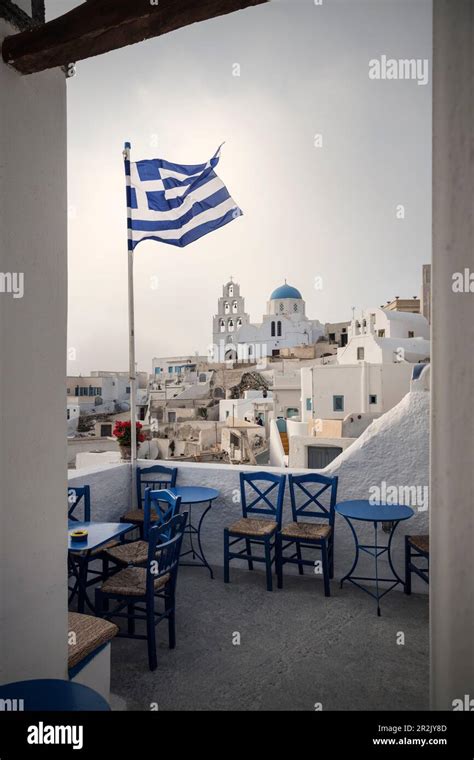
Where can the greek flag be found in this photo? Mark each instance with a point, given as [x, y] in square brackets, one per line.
[175, 203]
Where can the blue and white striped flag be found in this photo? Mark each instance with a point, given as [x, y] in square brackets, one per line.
[176, 203]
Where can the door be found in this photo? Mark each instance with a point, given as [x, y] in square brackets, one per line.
[320, 456]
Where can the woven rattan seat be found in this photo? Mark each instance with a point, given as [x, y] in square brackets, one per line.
[249, 526]
[137, 516]
[422, 543]
[131, 582]
[135, 553]
[304, 530]
[90, 633]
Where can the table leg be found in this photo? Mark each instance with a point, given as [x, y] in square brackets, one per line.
[376, 555]
[356, 558]
[82, 581]
[389, 552]
[199, 540]
[197, 553]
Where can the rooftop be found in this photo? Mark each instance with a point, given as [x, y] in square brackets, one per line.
[296, 648]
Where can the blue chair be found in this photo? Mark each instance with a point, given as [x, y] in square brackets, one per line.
[136, 589]
[79, 510]
[312, 496]
[417, 547]
[254, 530]
[157, 477]
[79, 497]
[159, 508]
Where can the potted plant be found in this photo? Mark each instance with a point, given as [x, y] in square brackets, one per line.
[122, 431]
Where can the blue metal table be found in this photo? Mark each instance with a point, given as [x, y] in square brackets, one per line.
[98, 534]
[364, 511]
[194, 495]
[51, 695]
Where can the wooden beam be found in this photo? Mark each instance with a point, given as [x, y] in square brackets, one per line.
[97, 26]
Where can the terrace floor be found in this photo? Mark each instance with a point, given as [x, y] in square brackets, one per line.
[297, 649]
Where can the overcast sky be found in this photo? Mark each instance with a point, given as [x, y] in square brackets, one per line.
[309, 212]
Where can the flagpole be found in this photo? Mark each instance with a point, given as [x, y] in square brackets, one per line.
[131, 325]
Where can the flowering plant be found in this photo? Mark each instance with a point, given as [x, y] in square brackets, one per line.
[122, 431]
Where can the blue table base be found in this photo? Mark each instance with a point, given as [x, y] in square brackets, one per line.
[197, 554]
[374, 550]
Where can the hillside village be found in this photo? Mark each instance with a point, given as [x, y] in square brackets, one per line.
[287, 392]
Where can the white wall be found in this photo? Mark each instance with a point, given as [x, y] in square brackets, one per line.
[33, 240]
[356, 382]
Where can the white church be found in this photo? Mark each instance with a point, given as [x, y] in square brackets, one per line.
[285, 325]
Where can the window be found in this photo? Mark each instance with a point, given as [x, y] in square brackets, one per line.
[273, 329]
[281, 306]
[230, 325]
[279, 329]
[68, 391]
[338, 403]
[411, 334]
[170, 370]
[295, 307]
[250, 350]
[381, 333]
[234, 307]
[127, 390]
[157, 370]
[332, 337]
[222, 325]
[68, 414]
[292, 412]
[372, 399]
[177, 370]
[239, 322]
[231, 291]
[226, 307]
[309, 404]
[171, 416]
[360, 353]
[105, 430]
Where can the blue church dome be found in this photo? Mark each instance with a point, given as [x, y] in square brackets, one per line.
[285, 291]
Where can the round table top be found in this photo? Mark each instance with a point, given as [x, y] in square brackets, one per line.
[362, 509]
[54, 695]
[194, 494]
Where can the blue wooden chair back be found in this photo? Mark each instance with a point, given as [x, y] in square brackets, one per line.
[313, 495]
[79, 496]
[164, 548]
[165, 504]
[156, 477]
[262, 493]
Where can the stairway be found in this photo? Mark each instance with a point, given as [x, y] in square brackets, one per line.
[285, 442]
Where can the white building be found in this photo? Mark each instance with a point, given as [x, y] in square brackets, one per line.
[334, 391]
[285, 325]
[176, 367]
[383, 336]
[253, 407]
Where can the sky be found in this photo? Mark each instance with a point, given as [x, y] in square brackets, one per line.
[322, 212]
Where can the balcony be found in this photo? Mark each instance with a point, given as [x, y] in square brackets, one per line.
[298, 650]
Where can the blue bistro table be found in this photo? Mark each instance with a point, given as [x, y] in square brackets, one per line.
[51, 695]
[364, 511]
[98, 534]
[195, 495]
